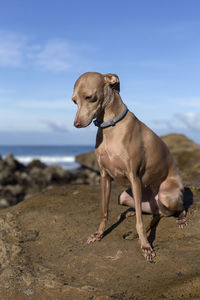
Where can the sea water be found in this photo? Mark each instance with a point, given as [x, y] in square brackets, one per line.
[63, 156]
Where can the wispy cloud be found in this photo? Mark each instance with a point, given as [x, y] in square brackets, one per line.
[163, 125]
[56, 126]
[11, 49]
[188, 124]
[54, 55]
[191, 120]
[17, 50]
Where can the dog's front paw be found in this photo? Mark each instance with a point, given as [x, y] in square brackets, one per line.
[97, 236]
[148, 252]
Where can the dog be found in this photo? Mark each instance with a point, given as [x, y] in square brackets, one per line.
[129, 152]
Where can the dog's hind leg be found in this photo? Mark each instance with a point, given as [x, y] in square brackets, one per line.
[170, 200]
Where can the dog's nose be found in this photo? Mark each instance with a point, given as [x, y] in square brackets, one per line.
[77, 123]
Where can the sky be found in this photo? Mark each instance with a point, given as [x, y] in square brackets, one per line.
[153, 46]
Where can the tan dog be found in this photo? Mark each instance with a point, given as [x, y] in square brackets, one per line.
[128, 151]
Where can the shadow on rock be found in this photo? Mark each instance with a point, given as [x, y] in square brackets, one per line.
[187, 198]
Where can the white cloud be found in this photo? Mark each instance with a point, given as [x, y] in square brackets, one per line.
[191, 120]
[188, 124]
[11, 49]
[55, 55]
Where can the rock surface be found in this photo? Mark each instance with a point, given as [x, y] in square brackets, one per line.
[44, 254]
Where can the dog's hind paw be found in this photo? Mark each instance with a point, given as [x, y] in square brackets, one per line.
[95, 237]
[181, 220]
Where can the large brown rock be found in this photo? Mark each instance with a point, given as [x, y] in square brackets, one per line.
[44, 254]
[185, 151]
[88, 160]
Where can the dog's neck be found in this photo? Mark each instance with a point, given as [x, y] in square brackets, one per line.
[112, 108]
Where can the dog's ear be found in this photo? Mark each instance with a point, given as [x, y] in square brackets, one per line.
[113, 81]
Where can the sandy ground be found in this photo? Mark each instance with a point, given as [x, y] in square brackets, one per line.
[44, 254]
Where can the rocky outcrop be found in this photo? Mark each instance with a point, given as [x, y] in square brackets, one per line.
[18, 182]
[44, 254]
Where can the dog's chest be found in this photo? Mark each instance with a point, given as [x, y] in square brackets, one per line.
[113, 162]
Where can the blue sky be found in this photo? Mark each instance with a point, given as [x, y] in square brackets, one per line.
[153, 46]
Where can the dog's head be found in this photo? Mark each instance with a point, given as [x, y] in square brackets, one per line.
[92, 92]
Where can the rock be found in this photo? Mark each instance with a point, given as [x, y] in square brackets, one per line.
[12, 163]
[44, 254]
[18, 182]
[89, 173]
[35, 163]
[56, 174]
[85, 176]
[88, 160]
[186, 154]
[14, 193]
[4, 203]
[179, 143]
[7, 177]
[24, 178]
[38, 177]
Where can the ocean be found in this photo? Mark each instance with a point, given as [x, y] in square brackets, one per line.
[63, 156]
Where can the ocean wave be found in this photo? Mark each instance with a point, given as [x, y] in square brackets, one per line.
[47, 159]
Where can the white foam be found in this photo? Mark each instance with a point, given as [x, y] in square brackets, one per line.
[47, 159]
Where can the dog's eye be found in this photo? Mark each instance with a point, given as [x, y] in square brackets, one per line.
[88, 97]
[93, 99]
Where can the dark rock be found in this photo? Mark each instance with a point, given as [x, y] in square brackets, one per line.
[12, 163]
[13, 193]
[56, 174]
[7, 177]
[35, 163]
[38, 176]
[86, 176]
[23, 178]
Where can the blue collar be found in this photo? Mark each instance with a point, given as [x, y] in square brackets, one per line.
[111, 122]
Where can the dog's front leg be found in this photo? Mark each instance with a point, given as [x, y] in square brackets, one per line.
[105, 196]
[137, 193]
